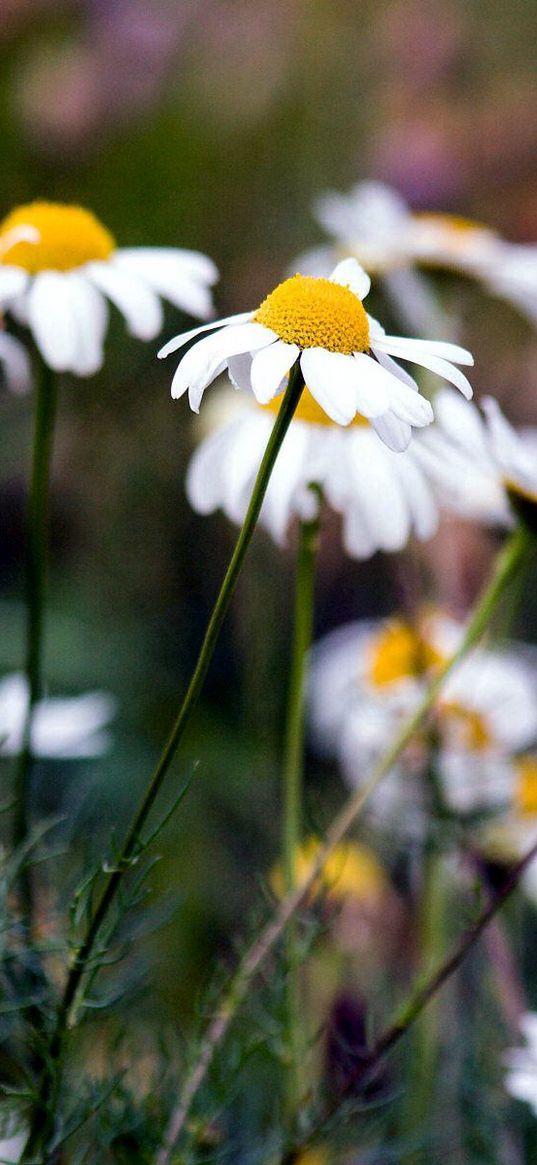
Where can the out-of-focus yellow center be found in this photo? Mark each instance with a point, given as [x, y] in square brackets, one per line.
[316, 313]
[526, 787]
[68, 237]
[451, 223]
[471, 730]
[351, 871]
[401, 651]
[309, 411]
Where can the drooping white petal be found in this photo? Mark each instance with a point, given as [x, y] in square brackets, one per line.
[449, 372]
[13, 281]
[52, 319]
[15, 363]
[169, 275]
[240, 369]
[183, 338]
[138, 303]
[392, 366]
[392, 431]
[332, 379]
[375, 386]
[351, 275]
[151, 259]
[415, 349]
[91, 317]
[201, 363]
[419, 497]
[269, 367]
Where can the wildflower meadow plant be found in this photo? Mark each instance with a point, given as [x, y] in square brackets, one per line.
[327, 413]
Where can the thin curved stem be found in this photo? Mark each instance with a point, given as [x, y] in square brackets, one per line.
[41, 1126]
[292, 784]
[36, 585]
[510, 561]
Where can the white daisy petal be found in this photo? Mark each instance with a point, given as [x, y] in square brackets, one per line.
[376, 386]
[91, 315]
[138, 303]
[269, 367]
[13, 281]
[240, 371]
[393, 432]
[410, 406]
[168, 275]
[202, 362]
[15, 364]
[351, 275]
[332, 379]
[415, 349]
[52, 319]
[395, 368]
[199, 266]
[448, 372]
[184, 337]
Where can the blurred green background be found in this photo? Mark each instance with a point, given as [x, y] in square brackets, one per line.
[213, 125]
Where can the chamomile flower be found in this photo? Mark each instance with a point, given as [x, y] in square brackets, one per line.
[374, 224]
[457, 456]
[59, 267]
[368, 678]
[63, 728]
[383, 497]
[516, 459]
[521, 1064]
[345, 356]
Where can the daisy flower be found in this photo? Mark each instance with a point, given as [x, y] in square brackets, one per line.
[457, 456]
[59, 267]
[345, 356]
[375, 224]
[383, 498]
[521, 1064]
[62, 728]
[515, 456]
[368, 678]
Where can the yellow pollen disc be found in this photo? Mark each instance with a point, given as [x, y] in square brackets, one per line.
[452, 223]
[400, 652]
[310, 412]
[526, 789]
[351, 871]
[472, 730]
[69, 236]
[316, 313]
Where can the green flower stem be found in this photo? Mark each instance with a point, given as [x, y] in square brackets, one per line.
[510, 562]
[292, 782]
[36, 582]
[44, 1115]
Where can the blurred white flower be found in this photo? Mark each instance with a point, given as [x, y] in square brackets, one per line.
[458, 457]
[345, 355]
[367, 678]
[515, 454]
[63, 728]
[383, 497]
[521, 1064]
[374, 224]
[11, 1148]
[59, 266]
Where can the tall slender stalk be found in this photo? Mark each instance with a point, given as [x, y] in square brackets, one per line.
[44, 1115]
[292, 783]
[510, 562]
[36, 583]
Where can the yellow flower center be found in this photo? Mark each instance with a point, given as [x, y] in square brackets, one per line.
[451, 223]
[471, 731]
[401, 651]
[526, 788]
[316, 313]
[309, 411]
[66, 237]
